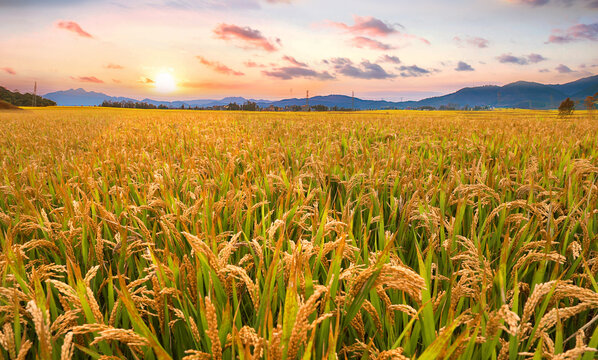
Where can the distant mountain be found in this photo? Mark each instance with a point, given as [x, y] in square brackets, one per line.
[80, 97]
[340, 101]
[520, 94]
[579, 89]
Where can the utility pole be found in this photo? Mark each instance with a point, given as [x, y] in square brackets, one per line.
[353, 100]
[35, 94]
[307, 99]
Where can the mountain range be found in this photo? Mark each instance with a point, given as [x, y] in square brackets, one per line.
[520, 94]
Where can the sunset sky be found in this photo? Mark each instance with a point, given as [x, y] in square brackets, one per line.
[390, 49]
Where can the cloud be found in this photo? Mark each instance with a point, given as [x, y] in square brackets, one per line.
[294, 61]
[390, 59]
[563, 69]
[521, 60]
[535, 58]
[291, 72]
[365, 70]
[211, 85]
[112, 66]
[472, 41]
[367, 25]
[543, 70]
[9, 71]
[251, 37]
[116, 81]
[413, 71]
[218, 67]
[508, 58]
[364, 42]
[37, 3]
[592, 4]
[88, 79]
[253, 64]
[146, 80]
[463, 66]
[73, 27]
[577, 32]
[529, 2]
[370, 26]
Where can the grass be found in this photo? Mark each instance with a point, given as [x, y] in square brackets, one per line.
[218, 235]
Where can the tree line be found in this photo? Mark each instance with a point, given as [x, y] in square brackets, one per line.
[27, 99]
[568, 106]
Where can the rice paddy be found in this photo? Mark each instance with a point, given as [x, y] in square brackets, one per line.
[134, 234]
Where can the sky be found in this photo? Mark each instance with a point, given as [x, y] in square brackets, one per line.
[274, 49]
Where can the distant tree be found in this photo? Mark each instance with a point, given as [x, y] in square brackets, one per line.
[233, 106]
[589, 103]
[566, 107]
[18, 99]
[320, 108]
[250, 106]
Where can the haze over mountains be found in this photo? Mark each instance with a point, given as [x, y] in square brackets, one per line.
[521, 94]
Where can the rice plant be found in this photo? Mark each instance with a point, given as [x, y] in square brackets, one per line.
[132, 234]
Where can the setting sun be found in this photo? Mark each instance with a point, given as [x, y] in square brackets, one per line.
[165, 83]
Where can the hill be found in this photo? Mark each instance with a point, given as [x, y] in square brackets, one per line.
[80, 97]
[8, 106]
[18, 99]
[520, 94]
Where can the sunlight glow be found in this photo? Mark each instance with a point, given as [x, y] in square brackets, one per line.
[165, 83]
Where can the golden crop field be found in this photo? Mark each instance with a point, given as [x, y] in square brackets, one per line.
[138, 234]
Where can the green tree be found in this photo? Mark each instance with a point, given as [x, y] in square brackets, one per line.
[566, 108]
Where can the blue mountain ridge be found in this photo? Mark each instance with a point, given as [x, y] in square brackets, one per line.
[520, 94]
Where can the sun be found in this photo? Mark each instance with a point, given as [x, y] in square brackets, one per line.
[165, 83]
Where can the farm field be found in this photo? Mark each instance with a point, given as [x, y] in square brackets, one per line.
[149, 234]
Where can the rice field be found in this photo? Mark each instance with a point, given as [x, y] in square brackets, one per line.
[136, 234]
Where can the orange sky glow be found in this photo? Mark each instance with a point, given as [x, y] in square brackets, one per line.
[380, 49]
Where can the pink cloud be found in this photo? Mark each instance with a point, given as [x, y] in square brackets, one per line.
[212, 85]
[364, 42]
[529, 2]
[218, 67]
[8, 70]
[294, 61]
[422, 39]
[89, 79]
[563, 69]
[114, 66]
[478, 42]
[366, 25]
[370, 26]
[576, 32]
[73, 27]
[253, 64]
[251, 37]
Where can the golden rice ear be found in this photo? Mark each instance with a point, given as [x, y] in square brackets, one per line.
[7, 340]
[212, 330]
[41, 322]
[67, 347]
